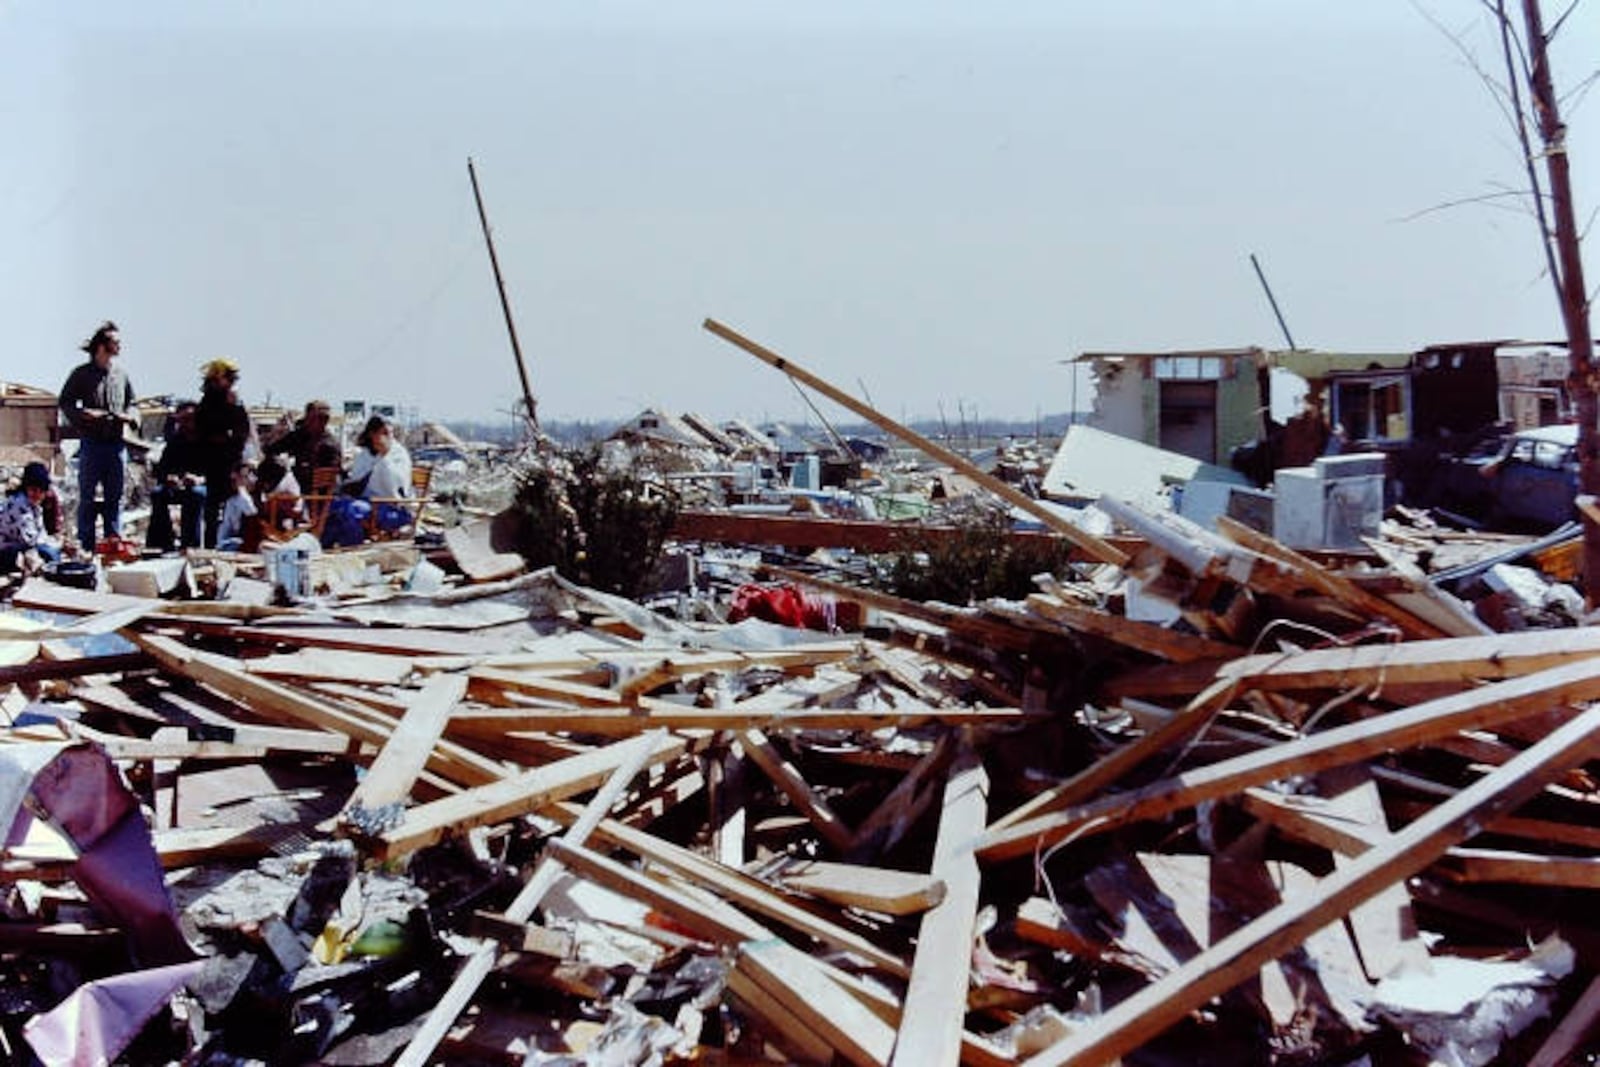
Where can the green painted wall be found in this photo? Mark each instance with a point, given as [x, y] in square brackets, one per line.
[1238, 401]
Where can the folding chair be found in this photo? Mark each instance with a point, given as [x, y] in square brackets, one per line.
[285, 517]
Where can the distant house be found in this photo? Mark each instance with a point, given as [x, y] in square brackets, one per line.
[751, 441]
[434, 435]
[1200, 403]
[27, 415]
[790, 444]
[1533, 383]
[664, 428]
[707, 429]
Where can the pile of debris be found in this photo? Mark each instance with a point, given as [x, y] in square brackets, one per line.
[1200, 791]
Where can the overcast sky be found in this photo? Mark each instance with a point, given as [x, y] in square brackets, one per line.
[933, 202]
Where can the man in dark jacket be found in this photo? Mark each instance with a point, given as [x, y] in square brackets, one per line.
[309, 445]
[97, 404]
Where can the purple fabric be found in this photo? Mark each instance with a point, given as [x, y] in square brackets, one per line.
[100, 1019]
[80, 793]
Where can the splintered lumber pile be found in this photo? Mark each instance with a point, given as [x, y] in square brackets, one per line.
[1205, 793]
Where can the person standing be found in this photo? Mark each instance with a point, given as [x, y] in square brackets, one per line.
[222, 431]
[97, 403]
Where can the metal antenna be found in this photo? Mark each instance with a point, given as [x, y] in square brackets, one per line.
[1284, 326]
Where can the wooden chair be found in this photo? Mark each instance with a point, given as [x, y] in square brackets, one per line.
[285, 517]
[421, 481]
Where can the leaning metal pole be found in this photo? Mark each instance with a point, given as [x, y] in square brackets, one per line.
[1581, 383]
[505, 304]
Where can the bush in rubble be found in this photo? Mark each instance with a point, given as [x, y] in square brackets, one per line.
[978, 563]
[597, 524]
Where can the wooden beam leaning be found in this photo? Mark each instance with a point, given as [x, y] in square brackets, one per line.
[784, 775]
[1234, 958]
[488, 682]
[823, 1007]
[1112, 768]
[936, 998]
[508, 798]
[1103, 551]
[1325, 581]
[741, 889]
[389, 779]
[1407, 728]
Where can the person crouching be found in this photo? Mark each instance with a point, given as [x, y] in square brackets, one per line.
[24, 544]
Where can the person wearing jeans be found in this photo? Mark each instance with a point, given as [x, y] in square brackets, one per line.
[97, 403]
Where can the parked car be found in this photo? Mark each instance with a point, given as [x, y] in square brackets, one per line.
[1530, 481]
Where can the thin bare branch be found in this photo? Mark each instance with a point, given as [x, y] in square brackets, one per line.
[1555, 27]
[1513, 52]
[1485, 199]
[1497, 92]
[1575, 95]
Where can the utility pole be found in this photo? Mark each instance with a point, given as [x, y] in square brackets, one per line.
[1569, 283]
[505, 304]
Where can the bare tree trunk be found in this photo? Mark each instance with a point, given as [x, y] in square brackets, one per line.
[1569, 286]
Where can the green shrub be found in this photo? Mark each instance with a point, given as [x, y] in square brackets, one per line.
[978, 563]
[601, 527]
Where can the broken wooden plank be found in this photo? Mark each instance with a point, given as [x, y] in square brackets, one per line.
[822, 1006]
[1521, 868]
[1131, 1023]
[621, 721]
[1325, 581]
[740, 889]
[487, 683]
[389, 780]
[717, 923]
[1160, 641]
[789, 780]
[44, 670]
[508, 798]
[936, 997]
[266, 697]
[1456, 661]
[1483, 707]
[854, 885]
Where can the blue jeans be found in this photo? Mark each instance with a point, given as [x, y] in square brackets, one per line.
[99, 466]
[191, 500]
